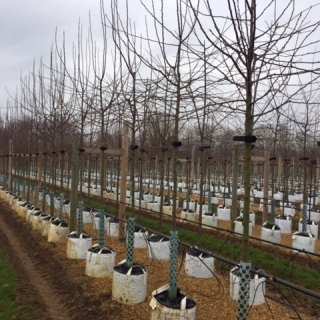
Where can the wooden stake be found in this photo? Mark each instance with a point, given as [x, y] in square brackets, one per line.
[123, 182]
[10, 166]
[266, 170]
[74, 183]
[234, 204]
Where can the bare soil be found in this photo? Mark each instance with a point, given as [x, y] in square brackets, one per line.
[54, 287]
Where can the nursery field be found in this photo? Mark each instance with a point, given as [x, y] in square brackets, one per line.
[54, 287]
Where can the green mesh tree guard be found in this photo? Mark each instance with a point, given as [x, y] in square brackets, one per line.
[101, 228]
[244, 290]
[61, 207]
[130, 245]
[273, 211]
[304, 219]
[80, 217]
[173, 264]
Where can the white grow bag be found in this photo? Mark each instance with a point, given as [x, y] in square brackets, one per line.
[223, 213]
[140, 238]
[78, 245]
[158, 247]
[315, 215]
[100, 262]
[199, 265]
[187, 310]
[129, 287]
[187, 214]
[289, 211]
[192, 205]
[257, 287]
[238, 226]
[285, 225]
[209, 220]
[167, 209]
[252, 217]
[312, 227]
[58, 231]
[204, 208]
[271, 233]
[153, 206]
[303, 242]
[96, 221]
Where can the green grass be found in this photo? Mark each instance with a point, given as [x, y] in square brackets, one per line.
[280, 268]
[8, 288]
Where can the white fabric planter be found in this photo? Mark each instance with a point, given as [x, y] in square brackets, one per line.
[289, 211]
[162, 311]
[140, 239]
[187, 215]
[278, 196]
[129, 286]
[95, 192]
[192, 205]
[22, 211]
[167, 209]
[199, 265]
[252, 217]
[303, 242]
[204, 208]
[312, 227]
[46, 223]
[37, 221]
[315, 215]
[112, 228]
[31, 213]
[223, 213]
[96, 221]
[238, 227]
[137, 203]
[58, 231]
[215, 200]
[100, 262]
[285, 225]
[78, 245]
[87, 215]
[154, 206]
[271, 233]
[292, 198]
[209, 221]
[257, 287]
[158, 247]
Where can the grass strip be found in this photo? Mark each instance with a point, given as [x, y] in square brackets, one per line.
[8, 288]
[286, 270]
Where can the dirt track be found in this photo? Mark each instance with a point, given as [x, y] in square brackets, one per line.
[42, 282]
[57, 288]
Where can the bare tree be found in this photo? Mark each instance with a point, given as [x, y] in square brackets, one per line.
[263, 48]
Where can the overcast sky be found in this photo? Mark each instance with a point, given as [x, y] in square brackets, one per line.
[27, 31]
